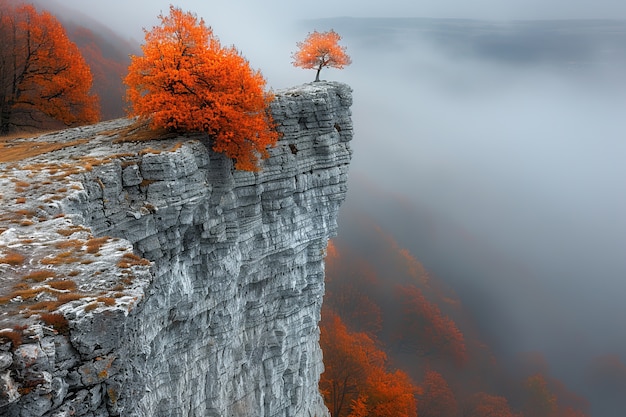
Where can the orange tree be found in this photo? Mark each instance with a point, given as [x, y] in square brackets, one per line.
[186, 81]
[355, 382]
[486, 405]
[425, 330]
[437, 399]
[42, 73]
[319, 50]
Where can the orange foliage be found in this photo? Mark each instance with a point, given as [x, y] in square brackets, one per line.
[186, 81]
[319, 50]
[42, 73]
[355, 381]
[437, 399]
[12, 258]
[57, 321]
[108, 65]
[549, 397]
[425, 329]
[539, 401]
[486, 405]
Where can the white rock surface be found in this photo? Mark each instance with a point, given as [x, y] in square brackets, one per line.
[225, 320]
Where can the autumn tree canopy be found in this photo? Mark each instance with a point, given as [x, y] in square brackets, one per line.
[425, 329]
[319, 50]
[186, 81]
[486, 405]
[42, 73]
[437, 399]
[355, 382]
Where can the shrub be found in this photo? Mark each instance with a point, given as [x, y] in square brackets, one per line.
[57, 321]
[12, 336]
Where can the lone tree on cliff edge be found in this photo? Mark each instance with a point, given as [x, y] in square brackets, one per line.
[186, 81]
[43, 76]
[319, 50]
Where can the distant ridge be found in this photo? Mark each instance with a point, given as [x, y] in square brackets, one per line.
[514, 41]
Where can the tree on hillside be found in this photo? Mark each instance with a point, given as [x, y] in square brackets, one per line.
[487, 405]
[42, 73]
[539, 400]
[437, 399]
[355, 382]
[319, 50]
[425, 330]
[108, 58]
[186, 81]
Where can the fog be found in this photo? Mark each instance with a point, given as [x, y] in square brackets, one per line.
[506, 141]
[509, 150]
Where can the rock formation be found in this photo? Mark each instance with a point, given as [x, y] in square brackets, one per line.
[152, 279]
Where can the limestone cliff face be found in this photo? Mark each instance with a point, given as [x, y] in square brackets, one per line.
[224, 319]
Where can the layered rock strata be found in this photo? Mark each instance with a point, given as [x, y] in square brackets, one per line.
[222, 320]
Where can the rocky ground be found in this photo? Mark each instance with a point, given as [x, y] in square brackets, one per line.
[149, 278]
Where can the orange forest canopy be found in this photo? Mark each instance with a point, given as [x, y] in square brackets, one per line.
[186, 81]
[319, 50]
[43, 76]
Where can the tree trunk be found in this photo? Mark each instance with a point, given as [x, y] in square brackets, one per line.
[5, 118]
[317, 76]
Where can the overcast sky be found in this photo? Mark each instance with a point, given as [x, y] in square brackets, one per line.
[130, 16]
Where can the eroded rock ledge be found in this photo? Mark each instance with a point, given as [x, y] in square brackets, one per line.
[223, 320]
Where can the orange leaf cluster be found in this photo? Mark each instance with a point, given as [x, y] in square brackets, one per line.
[42, 73]
[487, 405]
[355, 382]
[319, 50]
[186, 81]
[437, 399]
[425, 328]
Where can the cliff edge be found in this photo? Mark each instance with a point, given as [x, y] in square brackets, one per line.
[152, 279]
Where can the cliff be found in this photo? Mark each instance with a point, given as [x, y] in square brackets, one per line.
[152, 279]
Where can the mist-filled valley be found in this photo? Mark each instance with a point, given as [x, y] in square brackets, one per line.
[487, 183]
[494, 153]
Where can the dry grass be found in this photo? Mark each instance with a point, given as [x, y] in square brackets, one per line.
[71, 243]
[21, 184]
[11, 151]
[130, 259]
[94, 245]
[140, 131]
[12, 258]
[27, 294]
[107, 301]
[66, 298]
[71, 230]
[39, 276]
[45, 306]
[12, 336]
[63, 285]
[150, 150]
[57, 321]
[63, 258]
